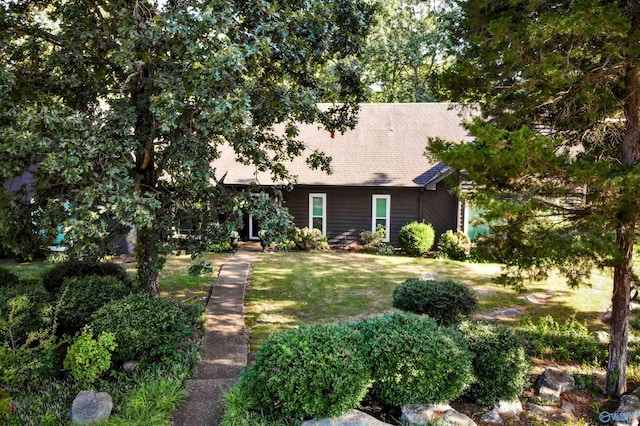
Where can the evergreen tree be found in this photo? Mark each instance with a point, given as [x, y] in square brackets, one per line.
[555, 161]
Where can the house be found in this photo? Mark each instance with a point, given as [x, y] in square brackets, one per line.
[380, 173]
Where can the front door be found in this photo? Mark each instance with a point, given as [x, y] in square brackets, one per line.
[254, 227]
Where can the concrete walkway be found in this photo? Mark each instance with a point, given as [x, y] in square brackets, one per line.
[224, 345]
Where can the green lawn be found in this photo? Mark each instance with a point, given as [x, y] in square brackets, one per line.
[290, 289]
[175, 281]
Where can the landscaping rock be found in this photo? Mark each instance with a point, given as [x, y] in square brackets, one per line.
[440, 414]
[568, 408]
[537, 410]
[90, 408]
[509, 408]
[492, 417]
[130, 366]
[454, 418]
[422, 414]
[552, 382]
[428, 277]
[628, 411]
[350, 418]
[601, 336]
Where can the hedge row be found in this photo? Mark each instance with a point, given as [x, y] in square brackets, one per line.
[324, 370]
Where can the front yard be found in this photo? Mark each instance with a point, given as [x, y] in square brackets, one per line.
[291, 289]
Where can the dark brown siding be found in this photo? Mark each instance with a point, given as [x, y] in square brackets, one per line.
[349, 209]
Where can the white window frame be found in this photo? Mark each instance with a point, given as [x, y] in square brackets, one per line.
[324, 210]
[387, 218]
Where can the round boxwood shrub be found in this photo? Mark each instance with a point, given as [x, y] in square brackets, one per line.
[454, 245]
[8, 278]
[147, 329]
[53, 279]
[24, 309]
[500, 362]
[414, 360]
[80, 297]
[416, 238]
[445, 301]
[313, 371]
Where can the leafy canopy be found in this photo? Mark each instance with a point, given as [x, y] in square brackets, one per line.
[120, 109]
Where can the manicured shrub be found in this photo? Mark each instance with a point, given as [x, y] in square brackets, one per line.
[53, 279]
[416, 239]
[372, 240]
[8, 278]
[313, 371]
[568, 341]
[31, 363]
[24, 309]
[414, 360]
[90, 358]
[80, 297]
[147, 329]
[308, 239]
[454, 245]
[444, 301]
[500, 363]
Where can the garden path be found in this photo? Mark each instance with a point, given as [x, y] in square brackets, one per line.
[224, 345]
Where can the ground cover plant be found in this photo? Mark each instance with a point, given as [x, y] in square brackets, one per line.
[31, 377]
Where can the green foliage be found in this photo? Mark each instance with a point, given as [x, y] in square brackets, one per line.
[286, 245]
[31, 363]
[200, 269]
[568, 341]
[55, 277]
[24, 309]
[313, 371]
[175, 82]
[147, 329]
[21, 238]
[444, 301]
[46, 404]
[500, 363]
[416, 239]
[455, 246]
[414, 360]
[89, 358]
[309, 239]
[8, 278]
[220, 246]
[372, 240]
[386, 250]
[563, 199]
[406, 52]
[81, 296]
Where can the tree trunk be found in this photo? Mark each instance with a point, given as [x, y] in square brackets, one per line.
[148, 261]
[616, 381]
[147, 257]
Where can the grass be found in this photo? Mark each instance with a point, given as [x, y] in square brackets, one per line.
[175, 281]
[291, 289]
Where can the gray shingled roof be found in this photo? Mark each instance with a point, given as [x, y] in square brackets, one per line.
[386, 148]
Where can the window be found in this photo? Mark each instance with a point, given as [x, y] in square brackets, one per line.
[318, 212]
[381, 213]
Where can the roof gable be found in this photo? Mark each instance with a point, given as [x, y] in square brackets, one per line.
[386, 148]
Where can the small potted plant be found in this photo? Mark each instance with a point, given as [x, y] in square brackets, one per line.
[234, 239]
[265, 239]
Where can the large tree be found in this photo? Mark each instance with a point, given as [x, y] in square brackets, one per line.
[406, 51]
[119, 108]
[555, 161]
